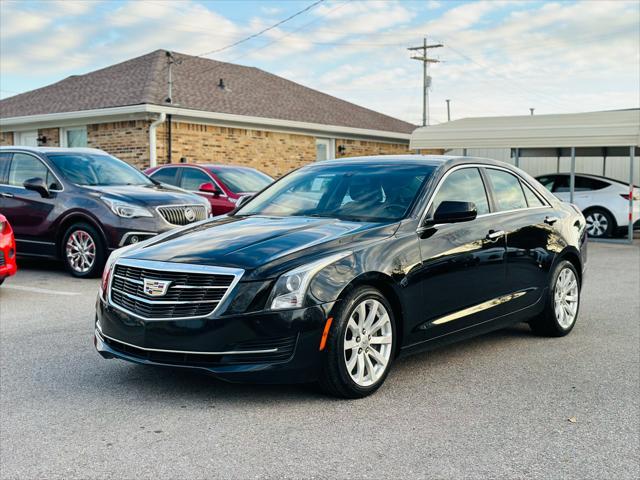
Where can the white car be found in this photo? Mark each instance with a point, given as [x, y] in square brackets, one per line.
[603, 201]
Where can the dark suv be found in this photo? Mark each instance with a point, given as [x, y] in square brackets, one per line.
[78, 203]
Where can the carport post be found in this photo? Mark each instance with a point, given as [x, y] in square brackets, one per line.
[632, 151]
[572, 177]
[517, 157]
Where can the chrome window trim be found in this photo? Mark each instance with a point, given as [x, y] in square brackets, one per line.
[41, 161]
[227, 352]
[206, 211]
[176, 267]
[480, 165]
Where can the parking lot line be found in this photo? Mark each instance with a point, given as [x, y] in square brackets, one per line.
[40, 290]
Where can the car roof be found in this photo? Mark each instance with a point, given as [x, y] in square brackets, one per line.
[432, 160]
[208, 166]
[54, 149]
[588, 175]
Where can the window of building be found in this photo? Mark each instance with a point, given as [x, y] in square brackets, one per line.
[464, 185]
[74, 137]
[325, 149]
[507, 190]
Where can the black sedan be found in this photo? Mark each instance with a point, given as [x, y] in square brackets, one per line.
[340, 267]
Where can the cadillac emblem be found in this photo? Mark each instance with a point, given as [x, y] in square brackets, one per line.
[189, 214]
[155, 288]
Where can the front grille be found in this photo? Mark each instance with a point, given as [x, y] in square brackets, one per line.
[2, 260]
[283, 346]
[183, 214]
[190, 293]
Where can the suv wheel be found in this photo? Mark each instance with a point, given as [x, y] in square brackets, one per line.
[361, 345]
[83, 251]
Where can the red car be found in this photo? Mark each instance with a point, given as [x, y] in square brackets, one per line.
[222, 185]
[8, 265]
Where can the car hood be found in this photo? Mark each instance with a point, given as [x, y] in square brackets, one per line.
[262, 246]
[147, 195]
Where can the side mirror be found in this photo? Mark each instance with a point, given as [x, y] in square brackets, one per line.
[242, 200]
[209, 187]
[37, 185]
[454, 212]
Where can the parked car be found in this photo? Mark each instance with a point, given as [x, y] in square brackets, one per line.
[396, 255]
[221, 185]
[8, 264]
[77, 204]
[604, 201]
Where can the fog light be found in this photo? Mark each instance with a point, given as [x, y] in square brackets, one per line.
[134, 239]
[12, 252]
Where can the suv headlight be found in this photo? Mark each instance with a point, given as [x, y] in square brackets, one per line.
[126, 210]
[291, 287]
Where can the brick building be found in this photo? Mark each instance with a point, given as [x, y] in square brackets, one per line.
[218, 113]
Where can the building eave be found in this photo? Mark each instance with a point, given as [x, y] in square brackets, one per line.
[131, 112]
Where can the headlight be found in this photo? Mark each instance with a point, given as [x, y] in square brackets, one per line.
[126, 210]
[108, 266]
[291, 287]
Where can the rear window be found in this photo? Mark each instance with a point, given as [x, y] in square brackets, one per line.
[243, 180]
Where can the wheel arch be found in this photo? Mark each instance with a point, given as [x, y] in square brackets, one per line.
[385, 284]
[71, 219]
[573, 256]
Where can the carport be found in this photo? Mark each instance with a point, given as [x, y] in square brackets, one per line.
[592, 134]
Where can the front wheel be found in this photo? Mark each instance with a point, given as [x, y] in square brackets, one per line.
[361, 345]
[562, 303]
[83, 251]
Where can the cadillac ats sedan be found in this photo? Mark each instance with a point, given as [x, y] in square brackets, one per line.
[340, 267]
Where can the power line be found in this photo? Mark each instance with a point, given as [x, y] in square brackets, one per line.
[246, 39]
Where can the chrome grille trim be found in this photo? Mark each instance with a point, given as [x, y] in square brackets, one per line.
[158, 268]
[175, 214]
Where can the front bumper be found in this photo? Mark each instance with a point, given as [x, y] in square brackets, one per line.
[261, 347]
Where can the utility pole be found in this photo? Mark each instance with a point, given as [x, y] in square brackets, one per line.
[426, 81]
[448, 110]
[531, 110]
[170, 61]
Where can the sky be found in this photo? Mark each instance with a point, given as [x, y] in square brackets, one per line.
[499, 57]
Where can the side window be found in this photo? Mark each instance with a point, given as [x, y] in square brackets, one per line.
[507, 190]
[532, 198]
[463, 185]
[584, 184]
[5, 159]
[562, 184]
[547, 182]
[166, 175]
[23, 167]
[192, 178]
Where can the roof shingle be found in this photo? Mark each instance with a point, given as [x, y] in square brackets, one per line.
[249, 91]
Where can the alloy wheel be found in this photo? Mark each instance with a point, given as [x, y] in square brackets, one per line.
[566, 297]
[597, 224]
[81, 251]
[368, 341]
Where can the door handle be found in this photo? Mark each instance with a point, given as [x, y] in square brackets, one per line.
[550, 220]
[495, 234]
[7, 195]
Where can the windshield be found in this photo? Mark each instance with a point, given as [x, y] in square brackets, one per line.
[90, 169]
[243, 179]
[349, 192]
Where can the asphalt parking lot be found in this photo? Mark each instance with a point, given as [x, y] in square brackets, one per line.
[497, 406]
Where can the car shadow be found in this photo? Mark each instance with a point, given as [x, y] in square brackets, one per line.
[184, 387]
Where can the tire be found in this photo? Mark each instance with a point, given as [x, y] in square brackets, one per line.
[559, 315]
[600, 223]
[358, 371]
[83, 251]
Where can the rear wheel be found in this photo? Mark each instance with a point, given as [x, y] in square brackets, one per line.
[600, 223]
[361, 345]
[83, 251]
[562, 303]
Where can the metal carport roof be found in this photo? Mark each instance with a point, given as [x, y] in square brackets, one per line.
[614, 128]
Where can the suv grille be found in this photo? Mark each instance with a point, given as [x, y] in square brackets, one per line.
[183, 214]
[193, 291]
